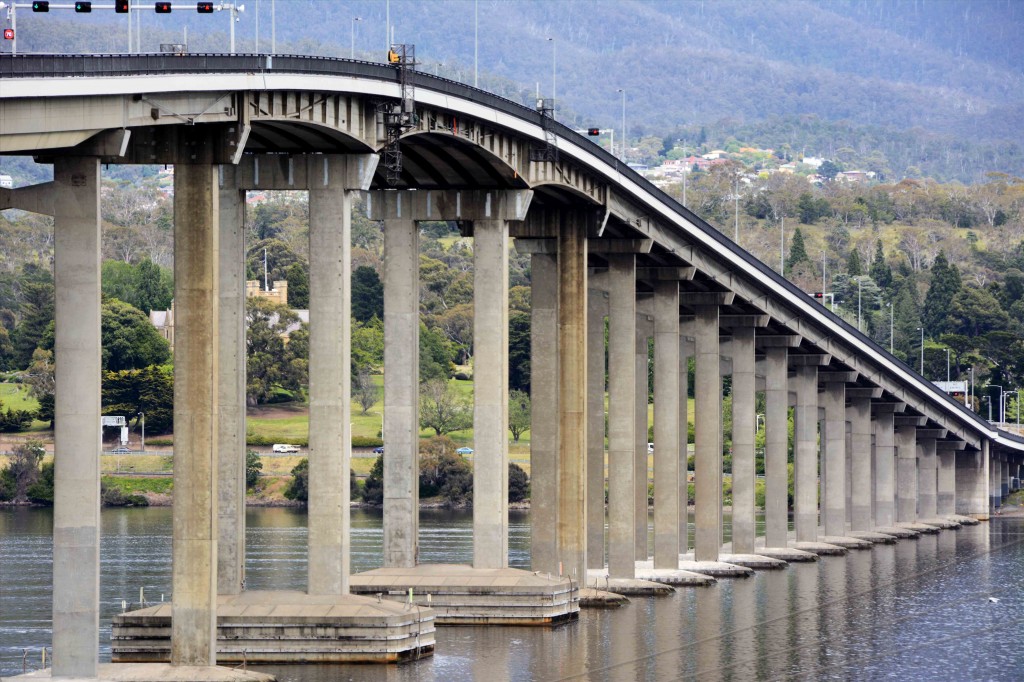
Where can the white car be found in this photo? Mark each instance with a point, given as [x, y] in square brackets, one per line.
[285, 448]
[650, 448]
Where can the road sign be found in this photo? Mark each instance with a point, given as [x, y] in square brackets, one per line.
[8, 34]
[112, 421]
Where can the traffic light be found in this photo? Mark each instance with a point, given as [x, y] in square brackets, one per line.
[83, 7]
[121, 6]
[818, 294]
[162, 8]
[41, 6]
[204, 7]
[593, 131]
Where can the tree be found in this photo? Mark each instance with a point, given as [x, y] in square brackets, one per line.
[37, 313]
[253, 467]
[21, 471]
[853, 266]
[435, 355]
[148, 391]
[518, 483]
[40, 378]
[13, 420]
[146, 286]
[829, 170]
[272, 363]
[364, 390]
[367, 294]
[130, 341]
[880, 270]
[444, 473]
[298, 286]
[373, 486]
[298, 489]
[518, 413]
[944, 286]
[442, 408]
[519, 351]
[797, 250]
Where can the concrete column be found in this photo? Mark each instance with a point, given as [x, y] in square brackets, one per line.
[994, 488]
[640, 469]
[401, 392]
[194, 542]
[544, 413]
[906, 474]
[490, 394]
[685, 350]
[231, 387]
[927, 482]
[708, 434]
[76, 504]
[598, 302]
[572, 389]
[834, 444]
[884, 470]
[860, 483]
[330, 438]
[744, 471]
[666, 425]
[776, 448]
[805, 454]
[1005, 480]
[972, 483]
[621, 415]
[945, 500]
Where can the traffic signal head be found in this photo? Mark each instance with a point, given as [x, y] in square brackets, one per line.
[83, 7]
[121, 6]
[204, 7]
[40, 6]
[162, 8]
[818, 294]
[593, 131]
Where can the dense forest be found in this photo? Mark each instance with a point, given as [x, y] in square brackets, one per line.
[935, 86]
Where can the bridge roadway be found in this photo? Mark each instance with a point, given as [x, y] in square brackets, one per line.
[894, 452]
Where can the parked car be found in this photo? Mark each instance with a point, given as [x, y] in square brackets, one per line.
[465, 451]
[379, 450]
[285, 448]
[650, 448]
[121, 451]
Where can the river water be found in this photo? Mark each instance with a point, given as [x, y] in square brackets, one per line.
[916, 610]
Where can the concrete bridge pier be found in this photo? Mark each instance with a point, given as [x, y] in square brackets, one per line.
[776, 447]
[859, 414]
[972, 483]
[805, 455]
[884, 469]
[622, 423]
[926, 478]
[833, 442]
[1005, 476]
[744, 528]
[945, 499]
[685, 353]
[598, 309]
[544, 413]
[666, 424]
[231, 384]
[644, 330]
[707, 431]
[906, 474]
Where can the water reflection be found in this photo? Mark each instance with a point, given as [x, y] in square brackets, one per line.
[913, 610]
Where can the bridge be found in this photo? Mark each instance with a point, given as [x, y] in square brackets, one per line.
[879, 452]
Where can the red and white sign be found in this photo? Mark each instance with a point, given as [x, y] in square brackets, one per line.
[8, 34]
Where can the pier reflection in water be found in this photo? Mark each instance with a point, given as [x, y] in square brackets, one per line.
[916, 609]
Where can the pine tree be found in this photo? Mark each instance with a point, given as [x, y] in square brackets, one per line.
[944, 286]
[797, 250]
[880, 270]
[853, 266]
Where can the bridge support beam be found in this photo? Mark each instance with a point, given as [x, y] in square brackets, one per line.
[544, 413]
[666, 423]
[622, 399]
[906, 474]
[330, 314]
[776, 447]
[805, 455]
[834, 469]
[945, 499]
[972, 481]
[926, 478]
[707, 433]
[859, 413]
[572, 389]
[744, 473]
[76, 516]
[598, 310]
[231, 388]
[644, 330]
[490, 395]
[884, 470]
[194, 544]
[401, 392]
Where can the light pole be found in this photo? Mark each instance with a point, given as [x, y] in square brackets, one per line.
[686, 172]
[971, 370]
[758, 423]
[947, 365]
[623, 91]
[858, 302]
[998, 409]
[921, 329]
[476, 43]
[143, 415]
[891, 310]
[352, 49]
[554, 70]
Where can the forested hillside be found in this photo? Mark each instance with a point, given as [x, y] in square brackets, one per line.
[933, 85]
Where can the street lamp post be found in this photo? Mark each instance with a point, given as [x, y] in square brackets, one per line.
[971, 370]
[858, 303]
[947, 365]
[623, 91]
[891, 310]
[352, 48]
[554, 73]
[999, 408]
[921, 329]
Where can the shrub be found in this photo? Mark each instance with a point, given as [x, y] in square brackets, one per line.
[253, 466]
[366, 442]
[41, 492]
[113, 496]
[298, 489]
[518, 483]
[373, 487]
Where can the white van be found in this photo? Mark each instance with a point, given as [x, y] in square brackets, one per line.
[285, 447]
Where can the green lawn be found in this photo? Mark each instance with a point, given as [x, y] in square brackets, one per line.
[16, 397]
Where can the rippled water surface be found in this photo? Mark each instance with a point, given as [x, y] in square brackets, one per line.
[920, 609]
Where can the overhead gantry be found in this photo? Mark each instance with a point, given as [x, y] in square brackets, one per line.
[878, 451]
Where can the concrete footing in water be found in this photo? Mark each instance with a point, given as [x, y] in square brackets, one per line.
[943, 522]
[715, 569]
[897, 532]
[873, 537]
[787, 554]
[288, 627]
[463, 595]
[920, 527]
[847, 541]
[964, 520]
[157, 672]
[819, 548]
[633, 587]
